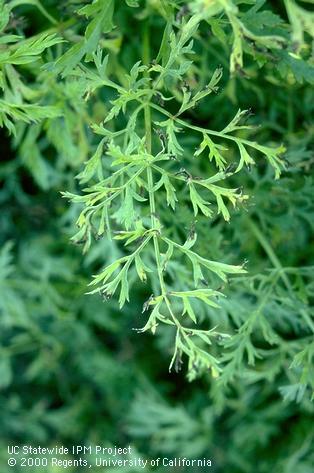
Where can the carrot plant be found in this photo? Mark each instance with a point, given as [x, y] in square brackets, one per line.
[142, 165]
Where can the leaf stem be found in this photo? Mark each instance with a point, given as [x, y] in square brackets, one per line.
[148, 140]
[271, 254]
[220, 134]
[152, 204]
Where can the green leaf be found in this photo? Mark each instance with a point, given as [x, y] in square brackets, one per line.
[101, 12]
[187, 309]
[173, 146]
[28, 113]
[190, 101]
[141, 268]
[93, 165]
[198, 202]
[302, 70]
[245, 159]
[31, 49]
[170, 190]
[204, 295]
[234, 124]
[214, 151]
[4, 15]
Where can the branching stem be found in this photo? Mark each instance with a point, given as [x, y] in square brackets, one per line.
[154, 220]
[271, 254]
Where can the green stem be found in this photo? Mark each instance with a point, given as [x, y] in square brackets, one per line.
[116, 194]
[44, 12]
[166, 7]
[148, 140]
[202, 130]
[271, 254]
[152, 204]
[147, 110]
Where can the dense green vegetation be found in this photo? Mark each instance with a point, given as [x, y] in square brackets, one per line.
[158, 156]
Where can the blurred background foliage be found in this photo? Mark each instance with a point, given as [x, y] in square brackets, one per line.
[72, 370]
